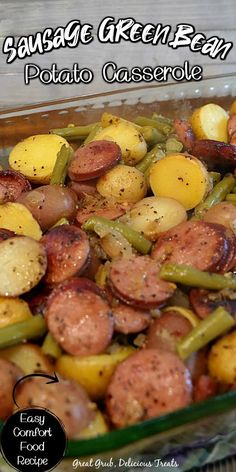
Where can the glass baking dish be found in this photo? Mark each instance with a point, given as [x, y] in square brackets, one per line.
[203, 432]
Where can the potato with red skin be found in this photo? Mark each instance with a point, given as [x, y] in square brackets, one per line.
[49, 203]
[15, 184]
[9, 374]
[148, 383]
[66, 399]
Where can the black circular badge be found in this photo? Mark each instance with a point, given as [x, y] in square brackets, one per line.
[33, 439]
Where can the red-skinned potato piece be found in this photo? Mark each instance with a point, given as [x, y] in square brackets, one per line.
[184, 133]
[87, 187]
[15, 184]
[166, 331]
[49, 203]
[135, 281]
[215, 153]
[66, 399]
[10, 373]
[223, 213]
[203, 245]
[67, 248]
[79, 318]
[93, 160]
[149, 383]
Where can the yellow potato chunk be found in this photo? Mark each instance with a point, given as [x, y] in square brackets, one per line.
[17, 218]
[131, 141]
[93, 372]
[210, 122]
[123, 184]
[97, 426]
[28, 357]
[13, 310]
[35, 156]
[222, 359]
[181, 177]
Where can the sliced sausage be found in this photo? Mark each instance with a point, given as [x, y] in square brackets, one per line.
[37, 299]
[93, 160]
[93, 264]
[149, 383]
[215, 153]
[197, 243]
[231, 126]
[79, 319]
[135, 281]
[15, 184]
[197, 364]
[50, 203]
[206, 301]
[3, 194]
[128, 319]
[233, 139]
[66, 399]
[9, 374]
[99, 207]
[166, 331]
[67, 250]
[205, 387]
[5, 234]
[184, 133]
[87, 187]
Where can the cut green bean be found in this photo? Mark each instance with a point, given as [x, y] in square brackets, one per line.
[16, 333]
[101, 275]
[187, 275]
[161, 118]
[74, 132]
[91, 136]
[217, 323]
[217, 195]
[164, 128]
[173, 145]
[138, 241]
[152, 136]
[60, 169]
[215, 177]
[50, 347]
[152, 156]
[231, 197]
[62, 221]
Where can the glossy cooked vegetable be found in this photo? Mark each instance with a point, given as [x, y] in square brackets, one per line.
[150, 157]
[218, 194]
[181, 177]
[123, 183]
[223, 213]
[36, 156]
[24, 261]
[16, 217]
[21, 332]
[210, 122]
[13, 310]
[222, 359]
[60, 168]
[29, 357]
[190, 276]
[74, 132]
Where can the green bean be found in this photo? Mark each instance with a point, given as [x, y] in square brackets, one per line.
[101, 275]
[215, 177]
[187, 275]
[152, 156]
[218, 322]
[164, 128]
[62, 221]
[50, 347]
[138, 241]
[152, 136]
[231, 197]
[74, 132]
[162, 119]
[34, 327]
[173, 145]
[217, 195]
[93, 133]
[60, 168]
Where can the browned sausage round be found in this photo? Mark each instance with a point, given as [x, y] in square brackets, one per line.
[233, 139]
[50, 203]
[205, 387]
[166, 331]
[184, 133]
[231, 126]
[66, 399]
[87, 187]
[197, 243]
[67, 250]
[93, 160]
[215, 153]
[135, 280]
[79, 319]
[128, 319]
[93, 264]
[99, 207]
[206, 301]
[3, 194]
[5, 234]
[15, 184]
[147, 384]
[9, 374]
